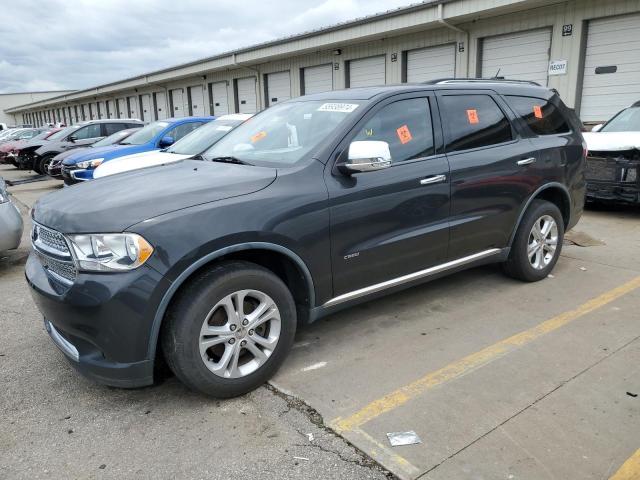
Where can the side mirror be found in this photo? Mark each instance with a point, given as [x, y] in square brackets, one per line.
[166, 141]
[367, 156]
[598, 127]
[72, 138]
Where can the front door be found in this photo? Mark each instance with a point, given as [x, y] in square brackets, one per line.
[490, 178]
[391, 222]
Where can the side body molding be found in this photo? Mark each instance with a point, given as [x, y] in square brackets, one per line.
[533, 196]
[159, 315]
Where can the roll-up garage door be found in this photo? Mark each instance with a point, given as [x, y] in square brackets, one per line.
[318, 79]
[196, 101]
[111, 109]
[278, 87]
[121, 106]
[519, 56]
[145, 103]
[246, 95]
[160, 104]
[219, 98]
[611, 79]
[102, 110]
[366, 72]
[133, 107]
[93, 111]
[177, 102]
[431, 63]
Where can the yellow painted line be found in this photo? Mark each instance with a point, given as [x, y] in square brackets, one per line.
[475, 360]
[630, 470]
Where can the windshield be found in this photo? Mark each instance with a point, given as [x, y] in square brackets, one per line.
[146, 134]
[63, 133]
[284, 134]
[203, 137]
[628, 120]
[113, 138]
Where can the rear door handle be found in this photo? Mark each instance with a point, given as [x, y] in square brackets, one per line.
[433, 179]
[527, 161]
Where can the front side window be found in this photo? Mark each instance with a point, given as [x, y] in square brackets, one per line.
[202, 138]
[541, 116]
[284, 134]
[628, 120]
[473, 121]
[405, 125]
[146, 134]
[181, 130]
[90, 131]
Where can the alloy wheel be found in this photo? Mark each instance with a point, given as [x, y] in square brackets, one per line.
[239, 333]
[543, 241]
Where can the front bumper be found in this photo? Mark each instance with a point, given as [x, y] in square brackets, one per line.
[613, 177]
[102, 322]
[71, 174]
[55, 169]
[11, 226]
[617, 192]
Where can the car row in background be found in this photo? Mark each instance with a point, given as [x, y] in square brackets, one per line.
[613, 161]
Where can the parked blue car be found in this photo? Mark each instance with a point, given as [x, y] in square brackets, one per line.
[79, 167]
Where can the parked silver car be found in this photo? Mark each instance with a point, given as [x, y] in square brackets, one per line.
[10, 221]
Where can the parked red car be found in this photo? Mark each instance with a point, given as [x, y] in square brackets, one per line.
[9, 150]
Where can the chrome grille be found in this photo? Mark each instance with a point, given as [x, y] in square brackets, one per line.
[53, 252]
[66, 270]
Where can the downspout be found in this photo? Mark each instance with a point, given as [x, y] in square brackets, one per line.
[443, 22]
[257, 72]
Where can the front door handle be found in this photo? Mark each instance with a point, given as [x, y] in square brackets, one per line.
[433, 179]
[527, 161]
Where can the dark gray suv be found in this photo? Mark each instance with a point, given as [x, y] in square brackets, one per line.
[314, 205]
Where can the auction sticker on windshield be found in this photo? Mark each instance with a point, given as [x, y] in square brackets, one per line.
[338, 107]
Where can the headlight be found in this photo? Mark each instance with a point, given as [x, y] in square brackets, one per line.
[110, 252]
[90, 163]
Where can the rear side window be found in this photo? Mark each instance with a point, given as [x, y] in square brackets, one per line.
[541, 116]
[111, 128]
[473, 121]
[405, 125]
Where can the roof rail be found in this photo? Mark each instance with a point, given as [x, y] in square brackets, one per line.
[440, 81]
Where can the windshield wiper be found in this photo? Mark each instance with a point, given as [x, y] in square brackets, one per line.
[229, 160]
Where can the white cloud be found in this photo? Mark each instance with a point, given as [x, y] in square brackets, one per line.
[86, 43]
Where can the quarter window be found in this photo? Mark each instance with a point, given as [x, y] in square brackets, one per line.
[541, 116]
[405, 125]
[473, 121]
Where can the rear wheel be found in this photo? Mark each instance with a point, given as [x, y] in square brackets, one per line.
[538, 242]
[230, 329]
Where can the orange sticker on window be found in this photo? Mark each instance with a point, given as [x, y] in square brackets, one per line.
[404, 134]
[537, 111]
[472, 116]
[258, 136]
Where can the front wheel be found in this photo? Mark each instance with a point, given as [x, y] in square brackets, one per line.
[43, 164]
[230, 329]
[538, 242]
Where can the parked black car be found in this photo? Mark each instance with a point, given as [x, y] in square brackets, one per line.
[54, 169]
[314, 205]
[38, 155]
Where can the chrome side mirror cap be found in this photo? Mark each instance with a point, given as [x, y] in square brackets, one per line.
[598, 127]
[367, 156]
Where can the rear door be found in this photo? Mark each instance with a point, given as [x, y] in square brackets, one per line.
[491, 174]
[391, 222]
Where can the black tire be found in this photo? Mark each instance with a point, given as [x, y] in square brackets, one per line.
[180, 333]
[518, 265]
[43, 164]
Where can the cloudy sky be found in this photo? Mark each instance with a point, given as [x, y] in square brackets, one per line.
[73, 44]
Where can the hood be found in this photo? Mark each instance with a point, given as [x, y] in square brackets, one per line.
[612, 141]
[115, 203]
[48, 146]
[13, 144]
[34, 144]
[136, 162]
[108, 152]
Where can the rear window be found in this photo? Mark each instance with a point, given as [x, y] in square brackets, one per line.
[473, 121]
[541, 116]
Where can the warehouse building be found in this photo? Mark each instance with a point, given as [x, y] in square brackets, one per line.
[10, 100]
[589, 50]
